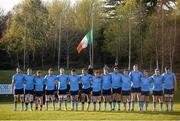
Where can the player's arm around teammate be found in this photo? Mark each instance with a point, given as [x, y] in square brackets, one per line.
[29, 89]
[170, 85]
[86, 88]
[126, 89]
[50, 81]
[62, 88]
[158, 89]
[116, 87]
[136, 86]
[106, 85]
[18, 88]
[74, 88]
[39, 89]
[145, 89]
[96, 90]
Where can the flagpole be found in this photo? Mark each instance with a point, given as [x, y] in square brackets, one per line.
[92, 27]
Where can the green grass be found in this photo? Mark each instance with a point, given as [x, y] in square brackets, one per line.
[6, 113]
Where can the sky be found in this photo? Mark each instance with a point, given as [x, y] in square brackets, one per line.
[8, 5]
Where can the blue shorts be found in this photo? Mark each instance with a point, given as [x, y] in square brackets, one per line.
[86, 91]
[29, 92]
[96, 93]
[118, 90]
[63, 92]
[74, 93]
[19, 91]
[50, 92]
[157, 93]
[106, 92]
[136, 90]
[145, 93]
[169, 91]
[126, 93]
[39, 93]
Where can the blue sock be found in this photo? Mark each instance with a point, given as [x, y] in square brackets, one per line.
[171, 105]
[119, 105]
[60, 103]
[114, 104]
[142, 105]
[124, 105]
[110, 103]
[132, 105]
[26, 106]
[72, 105]
[88, 105]
[139, 104]
[53, 103]
[166, 105]
[47, 105]
[99, 106]
[76, 105]
[94, 106]
[31, 104]
[129, 105]
[105, 105]
[161, 106]
[22, 106]
[82, 105]
[147, 103]
[65, 104]
[154, 106]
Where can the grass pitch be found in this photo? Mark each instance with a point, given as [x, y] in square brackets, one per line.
[7, 113]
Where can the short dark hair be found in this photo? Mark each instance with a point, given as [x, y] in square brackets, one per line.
[73, 70]
[116, 67]
[50, 69]
[136, 65]
[85, 69]
[38, 71]
[167, 68]
[126, 69]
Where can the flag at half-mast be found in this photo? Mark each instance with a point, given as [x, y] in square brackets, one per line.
[87, 40]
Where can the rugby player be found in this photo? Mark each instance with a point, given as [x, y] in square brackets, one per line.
[62, 88]
[50, 81]
[169, 87]
[39, 89]
[86, 88]
[116, 87]
[29, 88]
[106, 86]
[136, 87]
[145, 89]
[74, 88]
[96, 89]
[126, 89]
[157, 81]
[18, 88]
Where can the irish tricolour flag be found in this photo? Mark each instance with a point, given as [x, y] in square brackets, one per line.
[88, 39]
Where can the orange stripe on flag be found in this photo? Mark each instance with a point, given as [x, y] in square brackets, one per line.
[79, 48]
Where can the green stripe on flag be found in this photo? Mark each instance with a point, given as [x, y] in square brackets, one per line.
[90, 37]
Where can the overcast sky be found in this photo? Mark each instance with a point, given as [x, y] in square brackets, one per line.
[8, 5]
